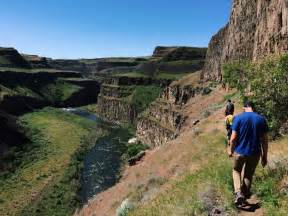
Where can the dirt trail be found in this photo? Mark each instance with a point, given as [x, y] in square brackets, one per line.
[253, 208]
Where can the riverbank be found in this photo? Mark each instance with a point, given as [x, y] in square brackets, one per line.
[46, 179]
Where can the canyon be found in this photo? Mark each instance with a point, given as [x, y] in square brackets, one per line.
[172, 100]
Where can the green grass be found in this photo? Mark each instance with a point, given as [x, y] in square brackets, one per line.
[183, 197]
[59, 91]
[45, 180]
[143, 96]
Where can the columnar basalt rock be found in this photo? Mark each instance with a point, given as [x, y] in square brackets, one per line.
[255, 30]
[162, 121]
[116, 110]
[113, 101]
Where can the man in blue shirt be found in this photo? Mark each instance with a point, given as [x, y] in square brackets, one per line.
[247, 144]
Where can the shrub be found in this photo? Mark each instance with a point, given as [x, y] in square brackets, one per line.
[266, 82]
[134, 149]
[125, 207]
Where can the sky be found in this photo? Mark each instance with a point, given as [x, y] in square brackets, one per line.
[106, 28]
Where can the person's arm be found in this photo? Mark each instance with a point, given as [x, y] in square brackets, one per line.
[264, 145]
[232, 145]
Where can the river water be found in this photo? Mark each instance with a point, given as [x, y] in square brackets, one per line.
[102, 164]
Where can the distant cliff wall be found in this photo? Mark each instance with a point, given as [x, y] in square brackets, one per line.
[256, 28]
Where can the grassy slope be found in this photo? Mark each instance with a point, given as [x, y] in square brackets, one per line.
[182, 198]
[185, 196]
[55, 136]
[60, 91]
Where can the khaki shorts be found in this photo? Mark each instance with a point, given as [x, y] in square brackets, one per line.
[250, 163]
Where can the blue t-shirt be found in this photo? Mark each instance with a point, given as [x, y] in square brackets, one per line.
[249, 126]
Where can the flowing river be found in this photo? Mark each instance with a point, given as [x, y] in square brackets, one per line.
[102, 164]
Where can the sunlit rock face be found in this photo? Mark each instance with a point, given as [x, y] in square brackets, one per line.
[256, 29]
[164, 118]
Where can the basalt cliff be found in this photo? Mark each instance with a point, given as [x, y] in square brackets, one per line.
[256, 28]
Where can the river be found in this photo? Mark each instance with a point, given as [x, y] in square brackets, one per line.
[102, 164]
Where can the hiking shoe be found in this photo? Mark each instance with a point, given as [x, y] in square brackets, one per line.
[247, 195]
[239, 199]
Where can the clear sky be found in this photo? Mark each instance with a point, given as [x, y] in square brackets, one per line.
[102, 28]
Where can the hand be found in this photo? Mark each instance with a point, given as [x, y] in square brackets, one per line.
[264, 161]
[229, 152]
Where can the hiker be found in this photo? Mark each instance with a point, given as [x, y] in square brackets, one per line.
[229, 108]
[229, 112]
[247, 144]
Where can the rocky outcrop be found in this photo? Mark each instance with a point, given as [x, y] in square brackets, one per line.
[87, 94]
[185, 53]
[128, 81]
[116, 109]
[177, 53]
[114, 100]
[23, 92]
[9, 57]
[113, 103]
[36, 61]
[161, 51]
[162, 121]
[92, 66]
[255, 29]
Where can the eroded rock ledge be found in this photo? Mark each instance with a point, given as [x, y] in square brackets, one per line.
[162, 121]
[114, 102]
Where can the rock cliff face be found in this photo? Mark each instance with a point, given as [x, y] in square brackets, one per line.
[256, 28]
[36, 61]
[179, 53]
[23, 92]
[163, 120]
[113, 101]
[91, 66]
[9, 57]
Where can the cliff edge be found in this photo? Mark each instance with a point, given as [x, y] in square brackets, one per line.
[255, 29]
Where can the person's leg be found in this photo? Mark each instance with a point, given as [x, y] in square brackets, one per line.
[237, 169]
[239, 162]
[249, 171]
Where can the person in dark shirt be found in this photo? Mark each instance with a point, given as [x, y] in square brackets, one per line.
[248, 144]
[229, 108]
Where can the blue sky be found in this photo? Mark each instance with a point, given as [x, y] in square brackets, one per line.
[102, 28]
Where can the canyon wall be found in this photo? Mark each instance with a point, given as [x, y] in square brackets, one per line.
[10, 57]
[256, 28]
[115, 101]
[162, 121]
